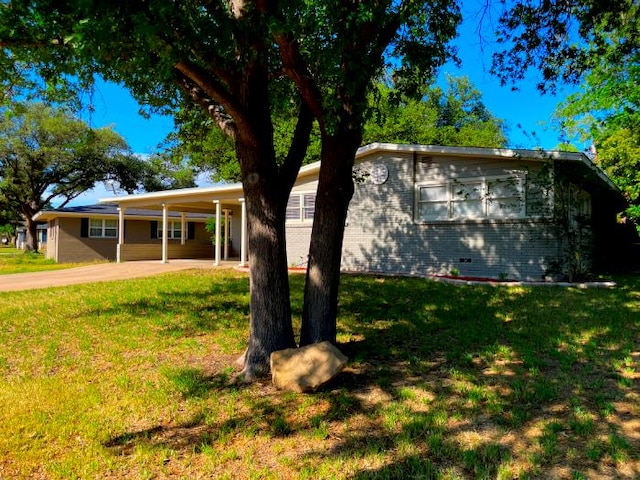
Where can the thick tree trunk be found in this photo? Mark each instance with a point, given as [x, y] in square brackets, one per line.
[266, 197]
[270, 324]
[31, 238]
[335, 189]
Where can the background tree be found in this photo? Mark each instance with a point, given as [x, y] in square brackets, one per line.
[606, 111]
[166, 171]
[9, 220]
[453, 115]
[47, 155]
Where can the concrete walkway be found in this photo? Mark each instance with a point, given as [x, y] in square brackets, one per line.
[102, 272]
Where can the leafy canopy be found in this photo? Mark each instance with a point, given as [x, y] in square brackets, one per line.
[451, 115]
[47, 155]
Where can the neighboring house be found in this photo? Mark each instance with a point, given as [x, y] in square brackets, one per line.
[80, 234]
[430, 210]
[41, 232]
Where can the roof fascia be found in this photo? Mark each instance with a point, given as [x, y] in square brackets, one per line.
[46, 215]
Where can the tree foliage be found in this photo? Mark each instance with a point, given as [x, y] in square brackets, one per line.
[450, 115]
[454, 115]
[564, 40]
[594, 44]
[46, 155]
[606, 108]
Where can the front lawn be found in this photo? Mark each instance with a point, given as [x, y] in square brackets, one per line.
[19, 261]
[131, 380]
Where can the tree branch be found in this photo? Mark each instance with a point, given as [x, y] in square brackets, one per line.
[294, 66]
[214, 110]
[298, 148]
[218, 101]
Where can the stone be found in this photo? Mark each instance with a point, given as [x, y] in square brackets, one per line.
[305, 369]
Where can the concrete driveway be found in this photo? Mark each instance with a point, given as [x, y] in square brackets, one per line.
[103, 272]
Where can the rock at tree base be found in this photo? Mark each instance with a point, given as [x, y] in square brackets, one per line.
[307, 368]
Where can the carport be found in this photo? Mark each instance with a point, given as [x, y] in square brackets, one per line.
[221, 200]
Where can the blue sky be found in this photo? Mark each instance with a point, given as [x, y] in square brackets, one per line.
[524, 111]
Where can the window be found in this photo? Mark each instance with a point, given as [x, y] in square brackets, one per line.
[301, 207]
[101, 228]
[473, 198]
[174, 231]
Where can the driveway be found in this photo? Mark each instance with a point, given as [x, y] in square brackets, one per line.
[103, 272]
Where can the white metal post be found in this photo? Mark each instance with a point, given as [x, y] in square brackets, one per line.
[226, 234]
[183, 228]
[243, 234]
[165, 233]
[121, 211]
[217, 238]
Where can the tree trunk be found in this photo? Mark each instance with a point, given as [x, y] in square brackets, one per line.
[31, 238]
[335, 189]
[270, 326]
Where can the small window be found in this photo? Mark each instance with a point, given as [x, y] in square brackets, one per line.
[433, 203]
[467, 199]
[309, 206]
[173, 232]
[301, 207]
[293, 207]
[102, 228]
[505, 197]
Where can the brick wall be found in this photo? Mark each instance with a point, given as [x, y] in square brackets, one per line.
[382, 234]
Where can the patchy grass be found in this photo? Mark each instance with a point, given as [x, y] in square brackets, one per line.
[132, 380]
[18, 261]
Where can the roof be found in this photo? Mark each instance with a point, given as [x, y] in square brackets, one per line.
[110, 210]
[203, 199]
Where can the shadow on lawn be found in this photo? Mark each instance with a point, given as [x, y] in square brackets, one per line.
[475, 382]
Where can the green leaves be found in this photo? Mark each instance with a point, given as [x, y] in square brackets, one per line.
[455, 116]
[46, 154]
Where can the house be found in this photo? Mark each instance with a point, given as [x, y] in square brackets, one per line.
[429, 210]
[21, 237]
[80, 234]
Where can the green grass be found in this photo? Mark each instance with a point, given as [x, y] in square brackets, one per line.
[18, 261]
[133, 379]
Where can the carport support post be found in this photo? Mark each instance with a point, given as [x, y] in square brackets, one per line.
[217, 238]
[121, 211]
[183, 228]
[226, 234]
[165, 233]
[243, 234]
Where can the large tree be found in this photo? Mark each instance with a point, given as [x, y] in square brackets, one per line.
[236, 60]
[220, 55]
[47, 155]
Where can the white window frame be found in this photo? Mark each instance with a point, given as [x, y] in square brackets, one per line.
[174, 231]
[480, 194]
[301, 207]
[100, 225]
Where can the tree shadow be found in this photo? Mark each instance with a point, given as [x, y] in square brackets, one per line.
[442, 381]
